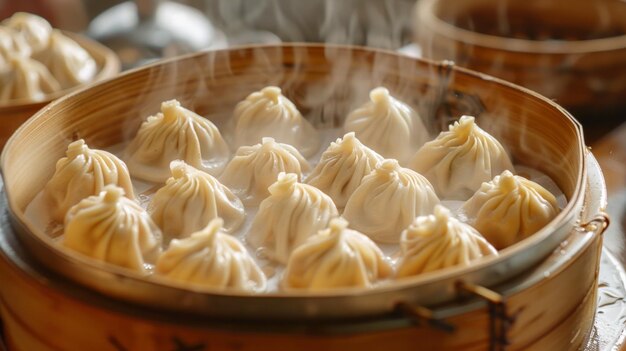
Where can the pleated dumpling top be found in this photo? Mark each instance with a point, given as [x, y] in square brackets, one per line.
[292, 213]
[175, 134]
[388, 200]
[254, 168]
[438, 241]
[81, 173]
[510, 208]
[190, 199]
[211, 258]
[388, 126]
[459, 160]
[112, 228]
[34, 30]
[342, 168]
[26, 79]
[336, 257]
[267, 113]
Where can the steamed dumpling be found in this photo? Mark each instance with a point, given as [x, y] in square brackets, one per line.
[336, 257]
[81, 173]
[388, 200]
[210, 258]
[11, 44]
[33, 29]
[26, 79]
[267, 113]
[112, 228]
[342, 168]
[510, 208]
[388, 126]
[458, 161]
[254, 168]
[175, 134]
[68, 62]
[439, 241]
[190, 199]
[291, 214]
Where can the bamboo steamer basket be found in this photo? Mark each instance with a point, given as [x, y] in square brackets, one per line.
[454, 309]
[572, 52]
[14, 113]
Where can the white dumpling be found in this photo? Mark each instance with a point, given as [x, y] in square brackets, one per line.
[267, 113]
[190, 199]
[81, 173]
[175, 134]
[68, 62]
[11, 44]
[336, 257]
[459, 160]
[342, 168]
[292, 213]
[26, 79]
[112, 228]
[509, 208]
[33, 29]
[388, 200]
[439, 241]
[210, 258]
[254, 168]
[388, 126]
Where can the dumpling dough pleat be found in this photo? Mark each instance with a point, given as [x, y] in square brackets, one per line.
[510, 208]
[459, 160]
[175, 134]
[342, 168]
[336, 257]
[267, 113]
[33, 29]
[388, 200]
[11, 44]
[68, 62]
[190, 199]
[439, 241]
[26, 79]
[291, 214]
[254, 168]
[81, 173]
[112, 228]
[388, 126]
[210, 258]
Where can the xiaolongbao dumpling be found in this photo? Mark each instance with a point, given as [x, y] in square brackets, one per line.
[267, 113]
[336, 257]
[342, 168]
[388, 200]
[26, 79]
[112, 228]
[11, 44]
[438, 241]
[293, 212]
[254, 168]
[81, 173]
[388, 126]
[175, 134]
[509, 208]
[68, 62]
[190, 199]
[213, 259]
[458, 161]
[33, 29]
